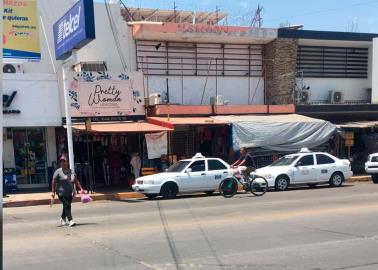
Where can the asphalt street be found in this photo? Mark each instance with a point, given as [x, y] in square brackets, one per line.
[321, 228]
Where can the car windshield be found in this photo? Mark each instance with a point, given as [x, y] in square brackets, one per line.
[178, 166]
[284, 161]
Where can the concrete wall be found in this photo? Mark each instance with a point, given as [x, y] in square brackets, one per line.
[188, 90]
[281, 58]
[37, 98]
[375, 71]
[8, 153]
[353, 89]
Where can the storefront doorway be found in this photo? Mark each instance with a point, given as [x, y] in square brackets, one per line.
[30, 156]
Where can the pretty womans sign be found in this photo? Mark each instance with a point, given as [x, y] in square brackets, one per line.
[102, 94]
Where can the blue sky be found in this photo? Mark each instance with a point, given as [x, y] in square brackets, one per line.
[333, 15]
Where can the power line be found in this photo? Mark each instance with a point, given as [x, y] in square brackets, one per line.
[114, 30]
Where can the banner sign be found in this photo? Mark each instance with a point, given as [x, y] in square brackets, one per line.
[20, 30]
[157, 144]
[102, 94]
[75, 29]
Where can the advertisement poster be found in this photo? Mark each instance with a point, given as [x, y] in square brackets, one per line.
[20, 30]
[94, 94]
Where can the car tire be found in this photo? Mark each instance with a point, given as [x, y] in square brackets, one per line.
[169, 190]
[209, 193]
[151, 196]
[336, 179]
[282, 183]
[374, 177]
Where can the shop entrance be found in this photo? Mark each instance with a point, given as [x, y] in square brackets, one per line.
[30, 156]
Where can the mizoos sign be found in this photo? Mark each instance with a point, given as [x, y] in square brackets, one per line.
[7, 102]
[74, 29]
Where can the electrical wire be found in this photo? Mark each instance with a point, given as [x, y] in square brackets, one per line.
[114, 30]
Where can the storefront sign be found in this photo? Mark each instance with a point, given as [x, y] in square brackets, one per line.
[7, 102]
[75, 29]
[205, 28]
[20, 30]
[101, 94]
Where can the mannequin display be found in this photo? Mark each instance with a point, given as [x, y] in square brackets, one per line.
[105, 169]
[136, 165]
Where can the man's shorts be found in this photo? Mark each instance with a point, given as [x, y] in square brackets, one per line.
[246, 170]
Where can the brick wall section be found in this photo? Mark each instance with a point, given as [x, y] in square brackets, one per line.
[281, 58]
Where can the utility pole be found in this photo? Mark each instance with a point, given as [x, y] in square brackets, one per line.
[257, 19]
[216, 15]
[175, 11]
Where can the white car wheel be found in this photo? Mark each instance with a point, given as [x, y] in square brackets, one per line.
[336, 179]
[282, 183]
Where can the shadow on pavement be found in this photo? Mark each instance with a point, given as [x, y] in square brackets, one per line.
[297, 188]
[129, 201]
[85, 224]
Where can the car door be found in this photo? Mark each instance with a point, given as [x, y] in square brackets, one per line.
[304, 169]
[325, 167]
[216, 172]
[195, 179]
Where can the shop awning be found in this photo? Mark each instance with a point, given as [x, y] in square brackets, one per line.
[184, 121]
[123, 127]
[286, 133]
[358, 124]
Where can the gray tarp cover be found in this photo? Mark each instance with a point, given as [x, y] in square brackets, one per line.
[287, 133]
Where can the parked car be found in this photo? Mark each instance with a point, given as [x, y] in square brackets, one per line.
[371, 167]
[306, 167]
[198, 174]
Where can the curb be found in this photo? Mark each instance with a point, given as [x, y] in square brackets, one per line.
[100, 197]
[363, 178]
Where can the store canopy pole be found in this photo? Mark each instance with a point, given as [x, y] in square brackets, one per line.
[68, 120]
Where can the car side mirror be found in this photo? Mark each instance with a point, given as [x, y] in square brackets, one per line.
[188, 170]
[298, 164]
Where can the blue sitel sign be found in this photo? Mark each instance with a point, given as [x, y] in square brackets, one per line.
[75, 29]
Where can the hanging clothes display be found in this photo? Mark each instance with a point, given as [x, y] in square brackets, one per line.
[136, 165]
[105, 169]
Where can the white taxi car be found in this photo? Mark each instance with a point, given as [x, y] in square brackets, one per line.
[306, 167]
[198, 174]
[371, 167]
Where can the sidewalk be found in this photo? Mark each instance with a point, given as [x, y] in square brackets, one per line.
[43, 198]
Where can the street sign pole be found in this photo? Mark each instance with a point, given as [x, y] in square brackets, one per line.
[68, 120]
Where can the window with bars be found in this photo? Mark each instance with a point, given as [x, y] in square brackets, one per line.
[199, 59]
[332, 62]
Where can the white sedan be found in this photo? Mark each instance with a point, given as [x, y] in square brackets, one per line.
[306, 167]
[198, 174]
[371, 167]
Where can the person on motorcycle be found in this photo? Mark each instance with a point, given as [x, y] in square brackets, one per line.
[244, 163]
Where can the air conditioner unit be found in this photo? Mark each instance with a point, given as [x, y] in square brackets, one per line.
[13, 68]
[218, 100]
[304, 97]
[155, 99]
[335, 97]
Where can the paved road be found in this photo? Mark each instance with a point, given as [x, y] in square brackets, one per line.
[316, 229]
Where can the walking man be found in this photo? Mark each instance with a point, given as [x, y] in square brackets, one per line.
[63, 184]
